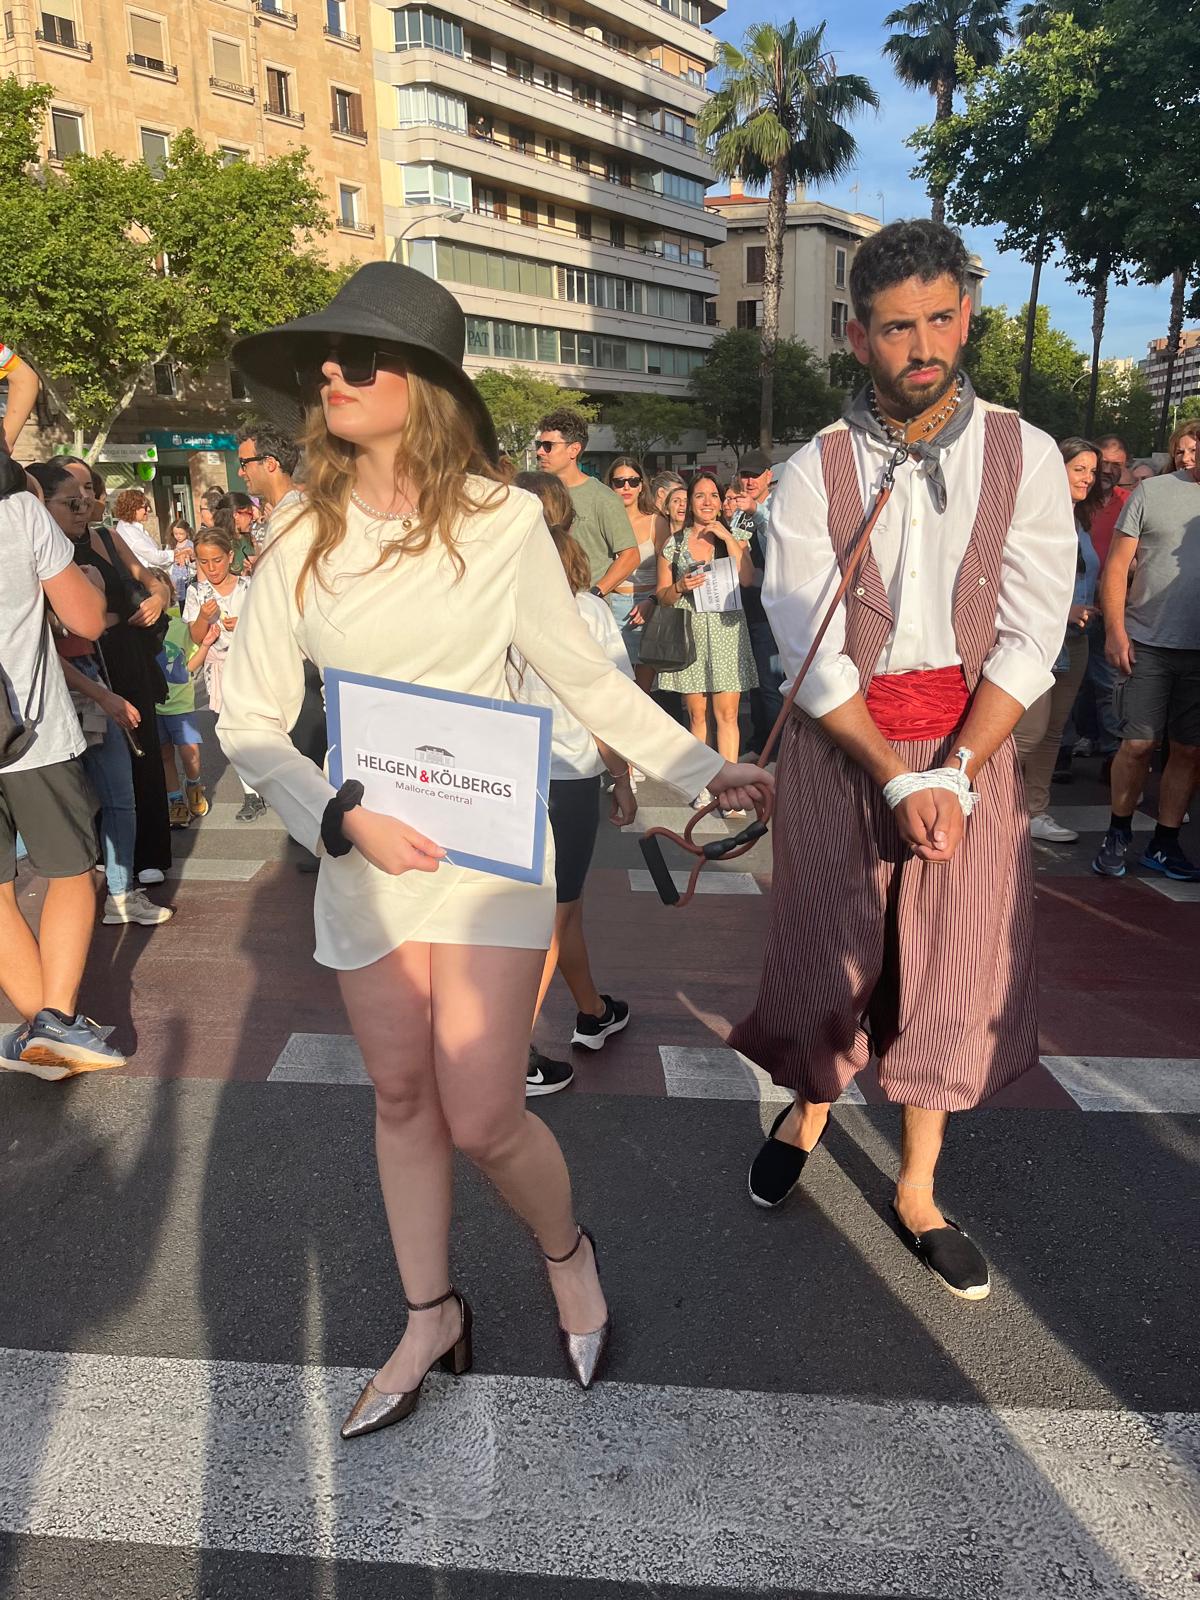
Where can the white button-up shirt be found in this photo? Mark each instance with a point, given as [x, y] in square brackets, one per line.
[144, 547]
[919, 551]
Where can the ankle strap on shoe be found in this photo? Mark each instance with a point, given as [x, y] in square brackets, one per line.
[430, 1305]
[558, 1260]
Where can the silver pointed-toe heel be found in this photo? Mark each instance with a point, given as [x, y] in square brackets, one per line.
[584, 1351]
[374, 1409]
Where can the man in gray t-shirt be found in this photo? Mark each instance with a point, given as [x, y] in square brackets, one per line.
[1152, 628]
[601, 524]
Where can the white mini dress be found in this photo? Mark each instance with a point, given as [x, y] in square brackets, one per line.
[419, 621]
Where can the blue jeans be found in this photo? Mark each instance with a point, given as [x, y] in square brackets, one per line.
[110, 771]
[1095, 715]
[621, 605]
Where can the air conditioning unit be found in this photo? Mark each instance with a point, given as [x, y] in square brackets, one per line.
[596, 35]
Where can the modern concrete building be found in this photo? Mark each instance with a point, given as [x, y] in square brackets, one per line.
[819, 245]
[541, 160]
[1185, 380]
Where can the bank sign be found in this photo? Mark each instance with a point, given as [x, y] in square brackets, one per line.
[166, 440]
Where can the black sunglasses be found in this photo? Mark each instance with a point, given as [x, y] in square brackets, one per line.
[244, 461]
[358, 358]
[626, 483]
[547, 444]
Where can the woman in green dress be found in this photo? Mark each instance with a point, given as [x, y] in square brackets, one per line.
[724, 666]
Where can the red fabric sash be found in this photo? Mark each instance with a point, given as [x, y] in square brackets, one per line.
[918, 705]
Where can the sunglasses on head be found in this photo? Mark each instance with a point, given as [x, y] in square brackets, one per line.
[626, 483]
[359, 360]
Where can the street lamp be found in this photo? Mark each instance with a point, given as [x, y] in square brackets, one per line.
[454, 214]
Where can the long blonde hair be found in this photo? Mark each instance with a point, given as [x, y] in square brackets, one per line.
[438, 449]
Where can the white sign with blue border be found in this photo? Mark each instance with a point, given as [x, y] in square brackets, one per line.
[471, 774]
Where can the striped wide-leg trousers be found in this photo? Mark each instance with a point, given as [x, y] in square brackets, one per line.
[938, 961]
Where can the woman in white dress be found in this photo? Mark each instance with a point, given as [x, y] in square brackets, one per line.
[412, 559]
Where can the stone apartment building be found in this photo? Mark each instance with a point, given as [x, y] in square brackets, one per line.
[253, 78]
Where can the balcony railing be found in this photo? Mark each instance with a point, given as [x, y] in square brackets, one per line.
[269, 8]
[275, 108]
[343, 38]
[615, 112]
[77, 47]
[365, 230]
[152, 64]
[616, 50]
[654, 249]
[569, 161]
[59, 156]
[243, 91]
[347, 131]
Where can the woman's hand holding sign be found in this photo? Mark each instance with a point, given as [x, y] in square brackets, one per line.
[390, 845]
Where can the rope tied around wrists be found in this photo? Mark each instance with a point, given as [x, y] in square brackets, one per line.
[909, 783]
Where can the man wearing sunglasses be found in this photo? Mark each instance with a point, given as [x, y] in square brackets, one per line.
[601, 525]
[267, 463]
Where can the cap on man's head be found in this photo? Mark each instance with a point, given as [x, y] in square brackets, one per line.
[754, 463]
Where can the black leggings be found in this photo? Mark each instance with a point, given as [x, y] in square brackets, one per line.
[574, 821]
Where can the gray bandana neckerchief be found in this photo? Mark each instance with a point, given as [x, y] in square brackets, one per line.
[858, 414]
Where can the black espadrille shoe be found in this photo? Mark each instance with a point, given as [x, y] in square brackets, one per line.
[953, 1257]
[775, 1170]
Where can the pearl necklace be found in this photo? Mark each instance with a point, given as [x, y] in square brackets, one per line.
[406, 519]
[931, 425]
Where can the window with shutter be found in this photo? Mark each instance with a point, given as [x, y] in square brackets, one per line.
[227, 61]
[756, 262]
[58, 22]
[147, 36]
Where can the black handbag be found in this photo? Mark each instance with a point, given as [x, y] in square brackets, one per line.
[668, 642]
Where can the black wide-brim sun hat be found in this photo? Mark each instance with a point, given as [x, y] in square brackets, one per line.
[396, 305]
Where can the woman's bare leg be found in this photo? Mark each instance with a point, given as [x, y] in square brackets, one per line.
[390, 1011]
[725, 711]
[644, 678]
[550, 966]
[573, 960]
[696, 706]
[483, 1001]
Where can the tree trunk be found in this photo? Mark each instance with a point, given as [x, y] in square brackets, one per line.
[1099, 307]
[106, 427]
[1039, 256]
[943, 93]
[772, 288]
[1174, 330]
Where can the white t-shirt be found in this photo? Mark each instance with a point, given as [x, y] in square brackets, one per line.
[35, 549]
[144, 547]
[200, 592]
[573, 750]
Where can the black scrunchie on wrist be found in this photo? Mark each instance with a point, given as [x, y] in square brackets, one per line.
[332, 836]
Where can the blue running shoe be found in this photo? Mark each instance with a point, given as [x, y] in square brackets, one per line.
[1170, 863]
[11, 1046]
[1109, 860]
[57, 1049]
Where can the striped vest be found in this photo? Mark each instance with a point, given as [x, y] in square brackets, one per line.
[869, 619]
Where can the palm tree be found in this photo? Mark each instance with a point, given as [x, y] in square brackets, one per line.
[924, 51]
[776, 121]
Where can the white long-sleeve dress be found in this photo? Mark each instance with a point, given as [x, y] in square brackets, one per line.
[416, 620]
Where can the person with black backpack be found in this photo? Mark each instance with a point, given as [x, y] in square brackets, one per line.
[44, 793]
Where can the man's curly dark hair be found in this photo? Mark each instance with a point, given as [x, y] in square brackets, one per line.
[902, 250]
[569, 423]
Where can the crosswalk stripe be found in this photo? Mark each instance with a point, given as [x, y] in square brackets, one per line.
[712, 882]
[213, 869]
[1184, 893]
[319, 1058]
[223, 814]
[629, 1483]
[717, 1073]
[677, 818]
[1129, 1083]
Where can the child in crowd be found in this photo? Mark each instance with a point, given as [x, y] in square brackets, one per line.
[178, 732]
[183, 569]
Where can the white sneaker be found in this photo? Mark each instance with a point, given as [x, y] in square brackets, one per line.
[152, 875]
[1045, 827]
[702, 799]
[135, 907]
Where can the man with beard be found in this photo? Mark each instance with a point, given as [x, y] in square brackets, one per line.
[903, 899]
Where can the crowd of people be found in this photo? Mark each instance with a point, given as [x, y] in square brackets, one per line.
[124, 726]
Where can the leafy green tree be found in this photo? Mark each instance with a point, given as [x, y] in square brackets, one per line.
[1187, 411]
[931, 38]
[993, 357]
[778, 119]
[642, 423]
[108, 269]
[726, 390]
[518, 400]
[1011, 159]
[1124, 405]
[846, 372]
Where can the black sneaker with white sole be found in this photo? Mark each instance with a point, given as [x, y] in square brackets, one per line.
[544, 1076]
[591, 1032]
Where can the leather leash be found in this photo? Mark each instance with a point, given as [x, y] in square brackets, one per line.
[731, 847]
